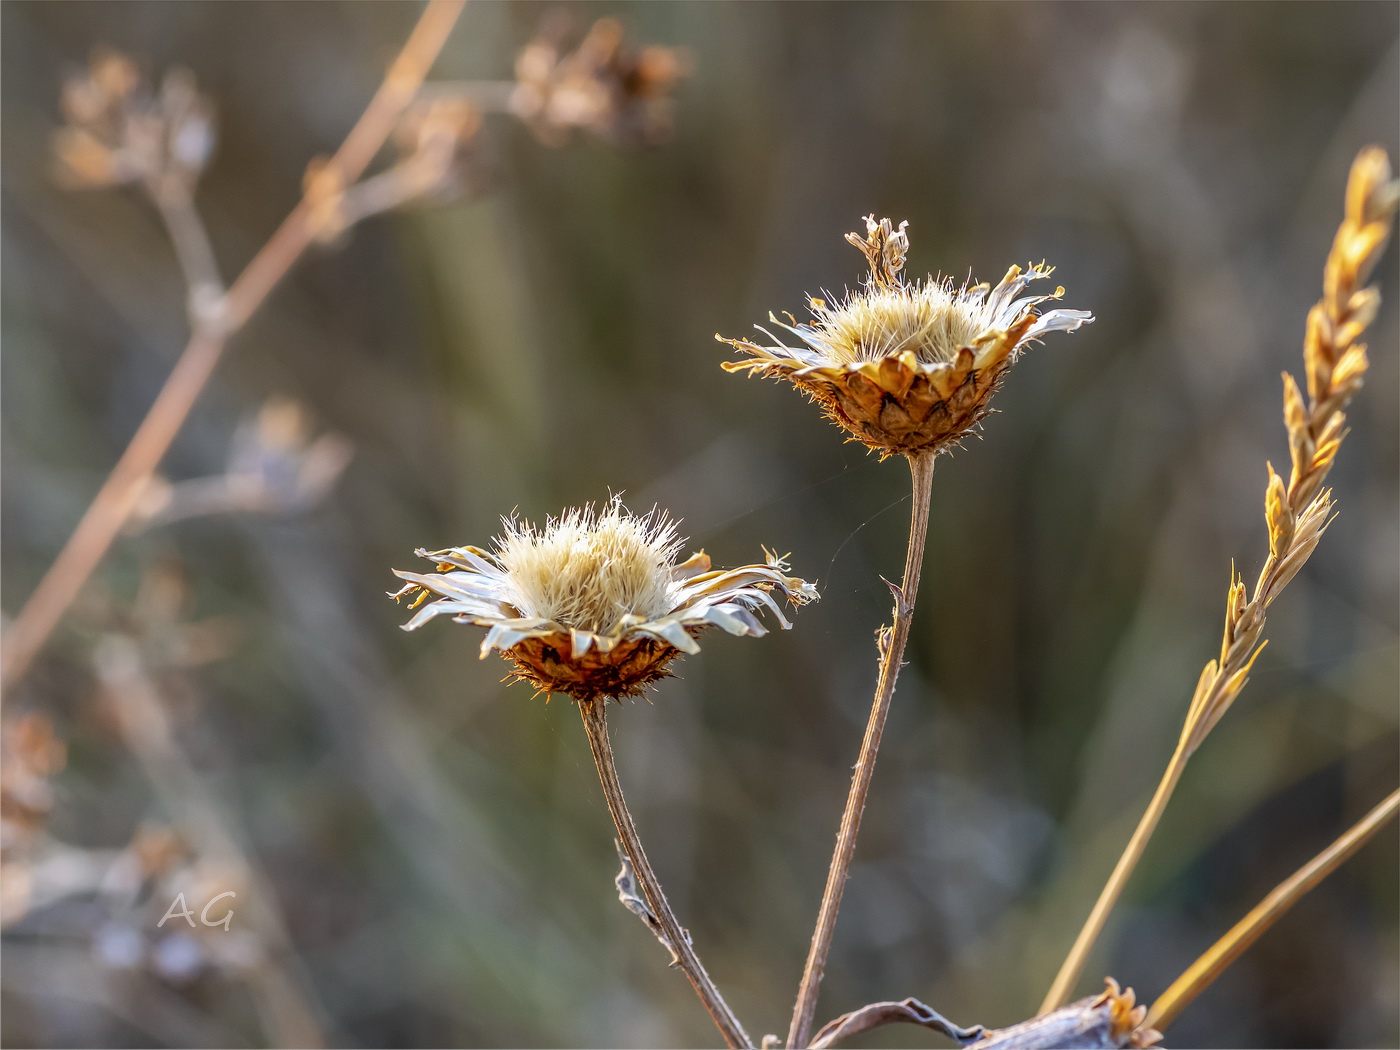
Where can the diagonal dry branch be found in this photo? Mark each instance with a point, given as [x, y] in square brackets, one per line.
[215, 323]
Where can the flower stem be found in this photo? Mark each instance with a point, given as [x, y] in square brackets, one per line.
[891, 656]
[1073, 965]
[676, 939]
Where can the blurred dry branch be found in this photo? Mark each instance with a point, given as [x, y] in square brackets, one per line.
[274, 467]
[109, 510]
[283, 995]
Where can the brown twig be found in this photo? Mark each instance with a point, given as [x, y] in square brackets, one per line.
[104, 517]
[1222, 953]
[892, 642]
[1296, 513]
[666, 927]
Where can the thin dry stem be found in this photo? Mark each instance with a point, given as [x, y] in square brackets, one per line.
[672, 935]
[112, 505]
[280, 990]
[205, 286]
[1222, 953]
[1296, 514]
[892, 643]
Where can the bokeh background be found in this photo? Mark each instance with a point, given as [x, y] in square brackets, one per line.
[432, 844]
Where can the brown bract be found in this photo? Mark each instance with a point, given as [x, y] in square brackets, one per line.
[549, 664]
[908, 367]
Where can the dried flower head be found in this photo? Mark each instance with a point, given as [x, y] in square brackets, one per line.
[908, 367]
[594, 603]
[601, 86]
[1111, 1020]
[118, 132]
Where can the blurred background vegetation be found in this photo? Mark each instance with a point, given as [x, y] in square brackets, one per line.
[435, 842]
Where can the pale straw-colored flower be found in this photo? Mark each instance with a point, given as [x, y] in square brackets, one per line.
[595, 604]
[908, 367]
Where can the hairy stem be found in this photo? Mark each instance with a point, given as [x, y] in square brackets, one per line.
[113, 504]
[892, 645]
[1222, 953]
[677, 940]
[1073, 965]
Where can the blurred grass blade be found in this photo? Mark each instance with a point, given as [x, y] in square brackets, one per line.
[1212, 964]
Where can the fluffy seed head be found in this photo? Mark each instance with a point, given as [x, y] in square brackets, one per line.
[595, 604]
[588, 569]
[931, 319]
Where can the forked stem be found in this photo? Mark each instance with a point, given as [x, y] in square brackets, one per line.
[112, 506]
[1073, 965]
[892, 645]
[595, 724]
[1222, 953]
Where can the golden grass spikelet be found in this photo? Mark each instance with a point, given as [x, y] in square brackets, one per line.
[908, 367]
[594, 603]
[1297, 513]
[1335, 365]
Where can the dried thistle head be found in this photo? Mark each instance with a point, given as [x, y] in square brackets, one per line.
[908, 367]
[118, 132]
[595, 604]
[602, 86]
[1111, 1019]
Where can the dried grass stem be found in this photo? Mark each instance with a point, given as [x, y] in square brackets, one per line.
[892, 643]
[1222, 953]
[1296, 513]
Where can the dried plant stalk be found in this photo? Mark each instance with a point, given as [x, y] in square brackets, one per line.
[119, 494]
[1222, 953]
[667, 928]
[892, 642]
[1297, 513]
